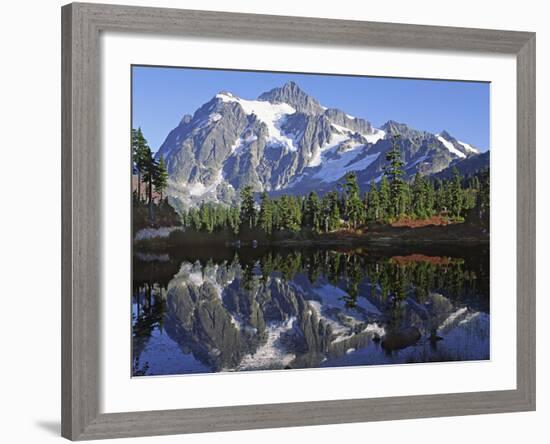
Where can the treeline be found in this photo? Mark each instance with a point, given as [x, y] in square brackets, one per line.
[390, 277]
[392, 199]
[385, 282]
[377, 277]
[150, 171]
[149, 211]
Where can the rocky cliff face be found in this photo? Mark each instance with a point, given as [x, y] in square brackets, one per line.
[231, 319]
[291, 94]
[286, 141]
[232, 322]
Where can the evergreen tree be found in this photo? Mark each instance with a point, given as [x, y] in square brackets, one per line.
[286, 213]
[455, 194]
[475, 184]
[149, 174]
[277, 215]
[266, 214]
[439, 205]
[234, 219]
[248, 209]
[160, 180]
[139, 156]
[135, 158]
[206, 217]
[355, 209]
[395, 174]
[385, 198]
[185, 218]
[325, 212]
[335, 220]
[373, 203]
[312, 217]
[194, 219]
[296, 206]
[429, 196]
[419, 197]
[290, 208]
[482, 206]
[331, 211]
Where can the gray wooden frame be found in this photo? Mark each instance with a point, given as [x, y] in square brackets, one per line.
[81, 232]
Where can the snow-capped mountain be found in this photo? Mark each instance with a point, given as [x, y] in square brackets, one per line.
[286, 141]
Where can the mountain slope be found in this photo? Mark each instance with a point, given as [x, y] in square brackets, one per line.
[286, 141]
[466, 167]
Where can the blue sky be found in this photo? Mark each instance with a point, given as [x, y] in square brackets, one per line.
[161, 96]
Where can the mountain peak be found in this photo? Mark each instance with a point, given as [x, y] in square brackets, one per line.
[291, 82]
[445, 134]
[393, 127]
[285, 141]
[289, 87]
[464, 148]
[293, 95]
[224, 95]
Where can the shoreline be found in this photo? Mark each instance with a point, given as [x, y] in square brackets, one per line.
[377, 241]
[456, 234]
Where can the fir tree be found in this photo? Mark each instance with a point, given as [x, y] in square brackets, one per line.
[160, 180]
[312, 217]
[194, 219]
[140, 150]
[234, 219]
[331, 211]
[419, 197]
[277, 215]
[266, 214]
[248, 209]
[455, 194]
[149, 173]
[385, 198]
[429, 196]
[207, 222]
[395, 174]
[355, 210]
[290, 208]
[481, 206]
[373, 203]
[293, 213]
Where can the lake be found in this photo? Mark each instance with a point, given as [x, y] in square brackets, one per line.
[218, 309]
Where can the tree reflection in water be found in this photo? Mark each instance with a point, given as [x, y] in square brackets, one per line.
[283, 308]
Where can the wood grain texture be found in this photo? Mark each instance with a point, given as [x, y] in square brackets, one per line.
[526, 221]
[119, 425]
[81, 229]
[66, 224]
[80, 222]
[259, 27]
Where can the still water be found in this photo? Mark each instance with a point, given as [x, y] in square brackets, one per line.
[224, 309]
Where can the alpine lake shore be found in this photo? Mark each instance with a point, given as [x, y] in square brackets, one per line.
[421, 232]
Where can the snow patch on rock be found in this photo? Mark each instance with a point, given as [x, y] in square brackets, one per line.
[469, 148]
[152, 233]
[273, 115]
[450, 147]
[272, 354]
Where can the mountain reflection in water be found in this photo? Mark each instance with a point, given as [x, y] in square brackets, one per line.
[283, 308]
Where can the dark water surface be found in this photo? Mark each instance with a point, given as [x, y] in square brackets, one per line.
[225, 309]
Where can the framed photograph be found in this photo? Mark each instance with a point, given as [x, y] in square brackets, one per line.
[278, 221]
